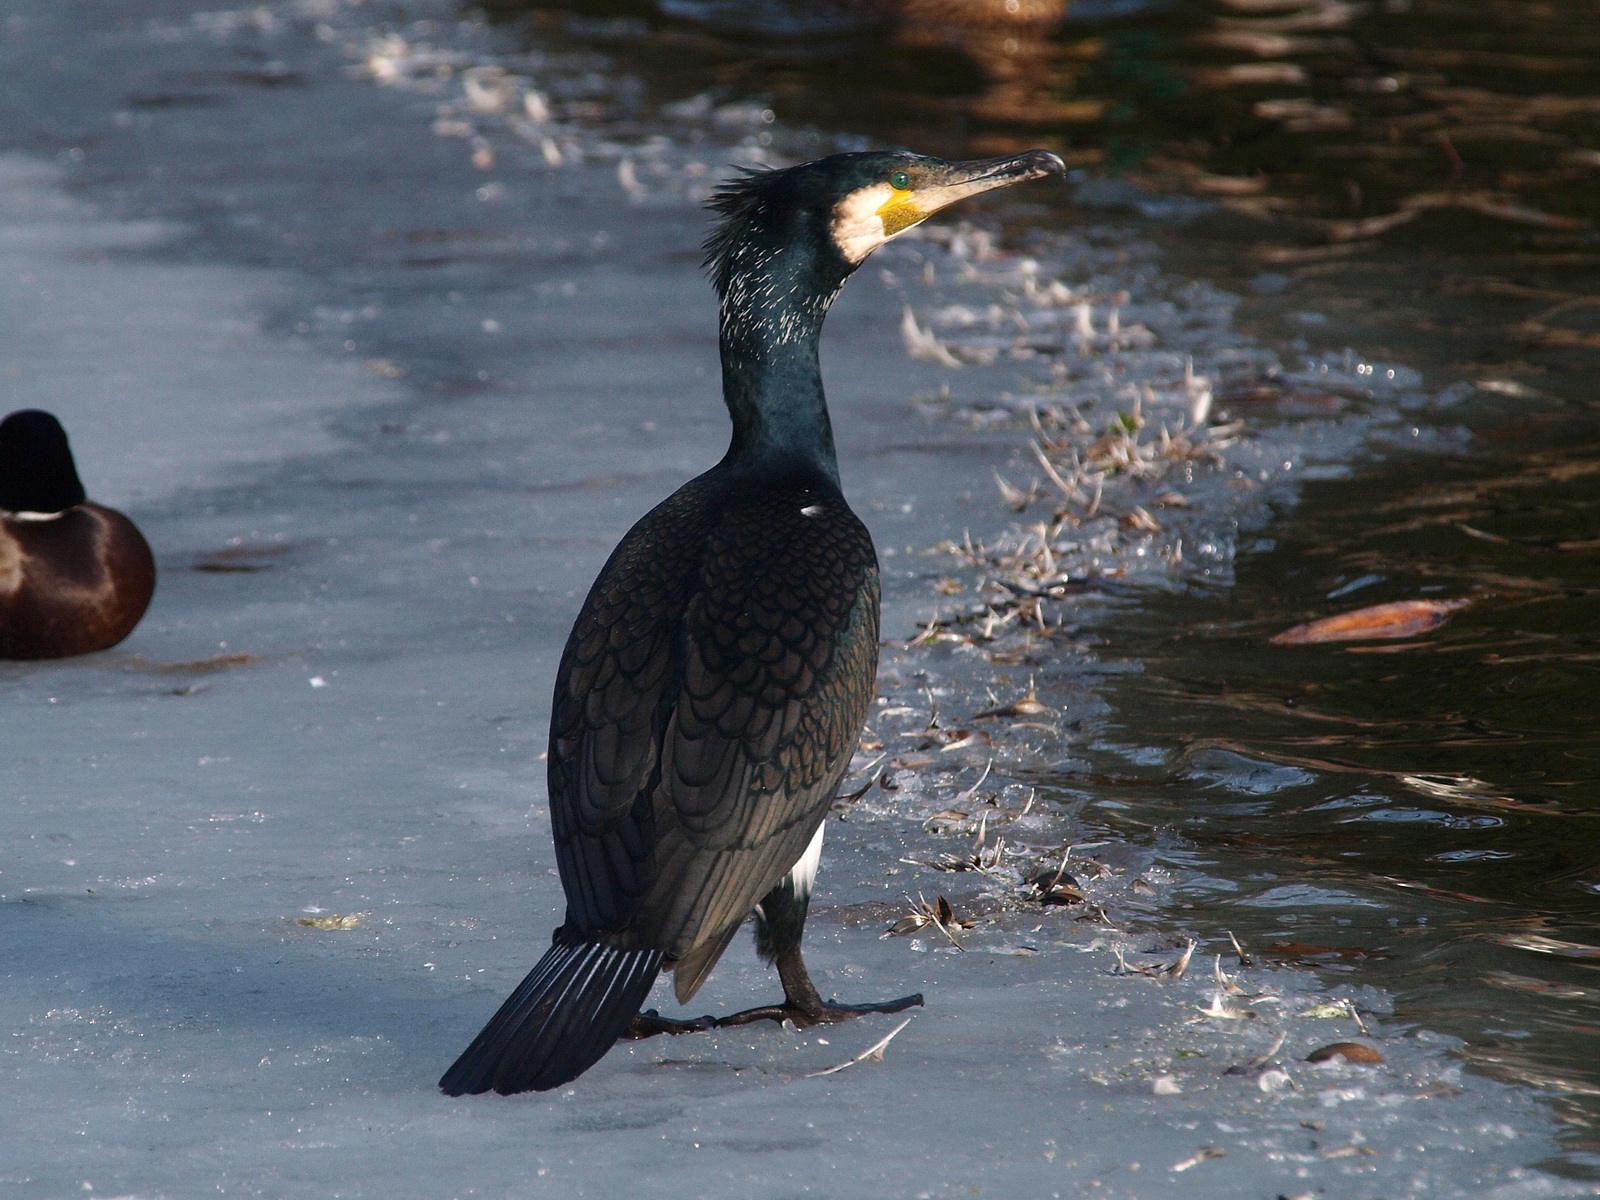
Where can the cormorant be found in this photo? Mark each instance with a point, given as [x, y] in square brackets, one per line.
[714, 687]
[75, 576]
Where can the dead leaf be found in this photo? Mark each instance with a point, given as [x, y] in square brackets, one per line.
[1352, 1052]
[1023, 706]
[1244, 959]
[1399, 619]
[845, 800]
[941, 915]
[1140, 519]
[1064, 890]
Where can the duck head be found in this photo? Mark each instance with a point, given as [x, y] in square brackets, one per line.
[37, 474]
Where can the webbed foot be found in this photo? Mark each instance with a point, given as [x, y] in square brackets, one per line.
[649, 1024]
[806, 1015]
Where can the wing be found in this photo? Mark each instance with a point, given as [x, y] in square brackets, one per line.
[712, 738]
[614, 693]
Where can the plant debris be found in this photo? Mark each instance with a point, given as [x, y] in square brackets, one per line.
[334, 921]
[1194, 1160]
[941, 915]
[1259, 1063]
[873, 1053]
[1172, 970]
[1023, 706]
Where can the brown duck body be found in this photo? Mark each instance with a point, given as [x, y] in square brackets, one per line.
[71, 582]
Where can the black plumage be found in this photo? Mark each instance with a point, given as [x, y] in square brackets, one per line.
[715, 684]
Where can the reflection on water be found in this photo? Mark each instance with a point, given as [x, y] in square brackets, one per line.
[1010, 42]
[1417, 178]
[1448, 786]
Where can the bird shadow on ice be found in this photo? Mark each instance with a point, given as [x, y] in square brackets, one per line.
[87, 975]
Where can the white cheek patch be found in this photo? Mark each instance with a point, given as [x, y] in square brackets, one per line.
[857, 227]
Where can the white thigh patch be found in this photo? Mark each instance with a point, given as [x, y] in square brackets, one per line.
[804, 873]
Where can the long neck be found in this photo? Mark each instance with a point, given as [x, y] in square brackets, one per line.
[772, 314]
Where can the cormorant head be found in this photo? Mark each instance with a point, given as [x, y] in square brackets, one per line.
[847, 205]
[37, 474]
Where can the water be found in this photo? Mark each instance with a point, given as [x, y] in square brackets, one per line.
[1445, 786]
[1414, 179]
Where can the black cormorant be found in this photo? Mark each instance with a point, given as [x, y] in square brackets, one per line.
[75, 576]
[714, 687]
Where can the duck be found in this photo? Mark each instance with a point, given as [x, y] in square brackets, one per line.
[714, 687]
[75, 576]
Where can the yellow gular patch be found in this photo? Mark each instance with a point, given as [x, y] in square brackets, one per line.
[900, 212]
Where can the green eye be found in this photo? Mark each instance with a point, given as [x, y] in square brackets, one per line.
[900, 181]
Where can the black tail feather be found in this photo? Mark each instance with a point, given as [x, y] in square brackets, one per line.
[558, 1023]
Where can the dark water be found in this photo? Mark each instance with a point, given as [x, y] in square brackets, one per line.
[1443, 793]
[1418, 180]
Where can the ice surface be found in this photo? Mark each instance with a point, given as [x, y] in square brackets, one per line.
[271, 863]
[91, 353]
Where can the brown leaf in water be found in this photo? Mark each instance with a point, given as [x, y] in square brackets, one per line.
[1351, 1052]
[1399, 619]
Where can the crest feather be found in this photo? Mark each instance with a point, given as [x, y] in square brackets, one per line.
[736, 200]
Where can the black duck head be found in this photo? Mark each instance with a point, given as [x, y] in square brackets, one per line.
[37, 474]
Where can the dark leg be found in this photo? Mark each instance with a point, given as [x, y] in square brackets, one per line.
[780, 922]
[801, 1003]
